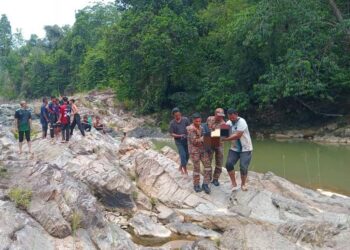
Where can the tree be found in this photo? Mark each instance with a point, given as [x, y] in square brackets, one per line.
[5, 36]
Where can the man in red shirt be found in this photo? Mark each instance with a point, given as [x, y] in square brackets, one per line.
[64, 119]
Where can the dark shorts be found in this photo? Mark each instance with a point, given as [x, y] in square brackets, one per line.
[233, 157]
[21, 135]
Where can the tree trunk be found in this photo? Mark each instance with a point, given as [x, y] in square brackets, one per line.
[339, 16]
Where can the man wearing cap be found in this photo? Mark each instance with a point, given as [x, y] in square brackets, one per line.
[215, 122]
[177, 129]
[241, 148]
[198, 154]
[23, 119]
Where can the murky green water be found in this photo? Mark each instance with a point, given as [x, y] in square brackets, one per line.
[305, 163]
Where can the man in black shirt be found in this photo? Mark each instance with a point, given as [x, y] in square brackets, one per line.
[23, 119]
[178, 131]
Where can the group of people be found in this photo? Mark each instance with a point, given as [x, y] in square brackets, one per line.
[63, 115]
[58, 115]
[189, 140]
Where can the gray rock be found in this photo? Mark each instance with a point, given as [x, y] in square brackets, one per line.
[255, 236]
[144, 226]
[204, 244]
[192, 229]
[146, 132]
[316, 234]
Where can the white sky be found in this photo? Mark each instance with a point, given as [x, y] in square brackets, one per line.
[32, 15]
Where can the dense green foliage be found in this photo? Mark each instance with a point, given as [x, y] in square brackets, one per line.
[281, 57]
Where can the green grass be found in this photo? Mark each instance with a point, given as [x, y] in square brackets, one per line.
[217, 242]
[153, 202]
[21, 197]
[135, 194]
[75, 223]
[3, 172]
[15, 134]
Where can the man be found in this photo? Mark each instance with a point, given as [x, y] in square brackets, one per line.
[23, 120]
[85, 124]
[64, 119]
[177, 129]
[44, 117]
[54, 113]
[241, 148]
[98, 125]
[76, 118]
[215, 122]
[198, 154]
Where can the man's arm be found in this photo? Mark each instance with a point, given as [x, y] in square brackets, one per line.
[16, 124]
[234, 136]
[193, 138]
[59, 117]
[177, 136]
[16, 120]
[30, 123]
[45, 115]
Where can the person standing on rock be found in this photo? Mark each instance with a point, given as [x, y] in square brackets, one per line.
[215, 122]
[44, 117]
[64, 119]
[198, 154]
[177, 129]
[241, 148]
[76, 118]
[54, 113]
[23, 120]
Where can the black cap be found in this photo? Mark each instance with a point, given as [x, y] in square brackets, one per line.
[175, 110]
[231, 111]
[65, 99]
[196, 115]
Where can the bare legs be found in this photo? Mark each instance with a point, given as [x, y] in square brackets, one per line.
[29, 147]
[234, 183]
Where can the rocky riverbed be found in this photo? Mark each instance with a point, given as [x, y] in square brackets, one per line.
[99, 192]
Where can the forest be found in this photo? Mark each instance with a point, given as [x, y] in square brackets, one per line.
[275, 60]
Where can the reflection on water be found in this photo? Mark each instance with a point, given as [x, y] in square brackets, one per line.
[305, 163]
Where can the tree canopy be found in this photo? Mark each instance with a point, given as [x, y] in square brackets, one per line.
[268, 58]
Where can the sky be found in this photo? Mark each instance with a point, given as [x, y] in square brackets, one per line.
[32, 15]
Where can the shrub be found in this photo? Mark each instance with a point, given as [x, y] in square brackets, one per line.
[21, 197]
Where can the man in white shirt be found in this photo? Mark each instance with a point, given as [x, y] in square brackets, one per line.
[241, 148]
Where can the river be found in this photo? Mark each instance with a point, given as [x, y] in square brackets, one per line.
[308, 164]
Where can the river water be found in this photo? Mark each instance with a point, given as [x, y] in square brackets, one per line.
[308, 164]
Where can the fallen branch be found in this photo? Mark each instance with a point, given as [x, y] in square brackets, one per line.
[316, 112]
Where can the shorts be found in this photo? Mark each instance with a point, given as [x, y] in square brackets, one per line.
[21, 135]
[233, 157]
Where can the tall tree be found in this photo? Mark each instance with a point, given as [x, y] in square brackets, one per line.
[5, 36]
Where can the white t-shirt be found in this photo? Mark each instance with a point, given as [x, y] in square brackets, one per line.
[244, 144]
